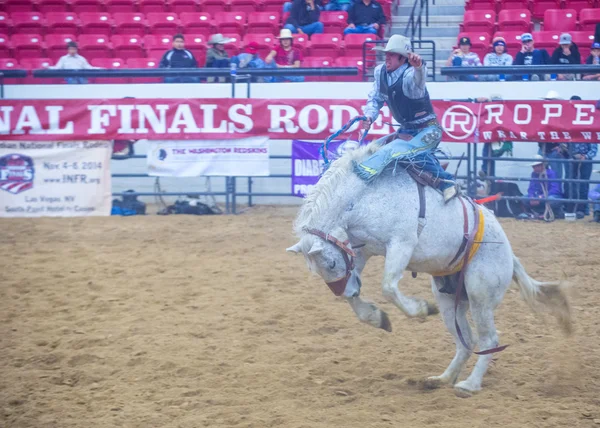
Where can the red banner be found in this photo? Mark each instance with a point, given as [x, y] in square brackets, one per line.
[315, 119]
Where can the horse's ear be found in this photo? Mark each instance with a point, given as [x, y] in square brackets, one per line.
[316, 248]
[297, 248]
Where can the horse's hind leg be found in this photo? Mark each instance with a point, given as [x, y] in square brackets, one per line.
[446, 306]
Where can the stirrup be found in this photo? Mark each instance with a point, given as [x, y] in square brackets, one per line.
[450, 192]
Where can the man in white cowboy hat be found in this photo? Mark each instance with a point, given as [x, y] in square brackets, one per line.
[216, 55]
[400, 82]
[539, 189]
[286, 55]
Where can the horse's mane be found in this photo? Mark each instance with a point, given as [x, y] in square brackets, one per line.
[318, 200]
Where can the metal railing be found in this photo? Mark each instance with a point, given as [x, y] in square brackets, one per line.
[425, 48]
[517, 71]
[415, 21]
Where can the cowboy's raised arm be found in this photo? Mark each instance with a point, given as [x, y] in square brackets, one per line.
[374, 100]
[414, 83]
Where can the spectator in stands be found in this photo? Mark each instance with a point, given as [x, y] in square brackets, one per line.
[73, 61]
[304, 17]
[286, 55]
[593, 59]
[342, 5]
[217, 56]
[498, 58]
[249, 59]
[566, 53]
[463, 57]
[531, 56]
[178, 57]
[555, 152]
[594, 195]
[539, 189]
[365, 17]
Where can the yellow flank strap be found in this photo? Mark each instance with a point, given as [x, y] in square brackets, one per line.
[474, 248]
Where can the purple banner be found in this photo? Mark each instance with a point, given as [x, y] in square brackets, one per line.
[307, 163]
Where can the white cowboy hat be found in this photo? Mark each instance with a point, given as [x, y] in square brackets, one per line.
[539, 161]
[396, 44]
[552, 95]
[285, 34]
[218, 39]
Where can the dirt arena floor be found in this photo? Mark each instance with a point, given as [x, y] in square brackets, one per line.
[186, 321]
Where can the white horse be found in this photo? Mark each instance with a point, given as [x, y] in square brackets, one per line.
[345, 220]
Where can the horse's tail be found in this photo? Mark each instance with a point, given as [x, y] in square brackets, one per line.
[548, 295]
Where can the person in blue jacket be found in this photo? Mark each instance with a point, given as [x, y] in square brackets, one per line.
[531, 56]
[178, 57]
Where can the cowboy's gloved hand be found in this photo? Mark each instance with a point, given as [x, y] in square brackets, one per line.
[366, 123]
[415, 60]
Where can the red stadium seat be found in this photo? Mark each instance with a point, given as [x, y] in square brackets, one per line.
[10, 64]
[5, 23]
[263, 22]
[156, 46]
[151, 6]
[28, 22]
[300, 41]
[179, 6]
[62, 23]
[512, 38]
[94, 46]
[579, 5]
[127, 46]
[163, 23]
[583, 39]
[144, 63]
[316, 62]
[588, 18]
[195, 23]
[230, 22]
[129, 23]
[88, 6]
[96, 23]
[56, 45]
[12, 6]
[546, 40]
[196, 44]
[514, 4]
[35, 64]
[266, 43]
[354, 44]
[325, 45]
[120, 6]
[480, 5]
[334, 22]
[560, 20]
[46, 6]
[27, 45]
[350, 62]
[111, 64]
[273, 5]
[4, 46]
[234, 47]
[246, 6]
[515, 20]
[214, 6]
[479, 20]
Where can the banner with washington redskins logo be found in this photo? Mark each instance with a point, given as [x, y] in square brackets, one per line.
[288, 119]
[57, 179]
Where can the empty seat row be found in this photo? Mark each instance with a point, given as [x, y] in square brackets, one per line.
[155, 23]
[132, 46]
[537, 7]
[520, 20]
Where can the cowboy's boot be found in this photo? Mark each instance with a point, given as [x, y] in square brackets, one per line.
[450, 192]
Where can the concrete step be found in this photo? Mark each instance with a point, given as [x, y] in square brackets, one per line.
[434, 10]
[431, 33]
[434, 21]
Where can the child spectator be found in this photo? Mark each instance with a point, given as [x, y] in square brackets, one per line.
[463, 57]
[566, 53]
[593, 59]
[178, 57]
[531, 56]
[498, 58]
[285, 56]
[73, 61]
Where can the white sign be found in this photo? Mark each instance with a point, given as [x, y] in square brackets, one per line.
[246, 157]
[56, 179]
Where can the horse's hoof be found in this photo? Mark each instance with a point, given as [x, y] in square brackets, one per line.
[461, 390]
[433, 382]
[385, 323]
[432, 309]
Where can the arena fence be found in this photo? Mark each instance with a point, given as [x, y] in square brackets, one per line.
[520, 70]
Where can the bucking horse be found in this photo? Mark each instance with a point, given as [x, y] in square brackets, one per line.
[345, 220]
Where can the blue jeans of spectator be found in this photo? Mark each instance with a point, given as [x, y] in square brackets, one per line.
[76, 80]
[181, 79]
[457, 62]
[555, 205]
[557, 167]
[489, 166]
[579, 171]
[314, 28]
[361, 29]
[278, 79]
[332, 6]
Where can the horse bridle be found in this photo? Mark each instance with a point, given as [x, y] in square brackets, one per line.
[339, 285]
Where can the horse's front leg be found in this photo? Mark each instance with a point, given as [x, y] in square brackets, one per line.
[396, 260]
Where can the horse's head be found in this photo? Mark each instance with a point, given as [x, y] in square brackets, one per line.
[328, 255]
